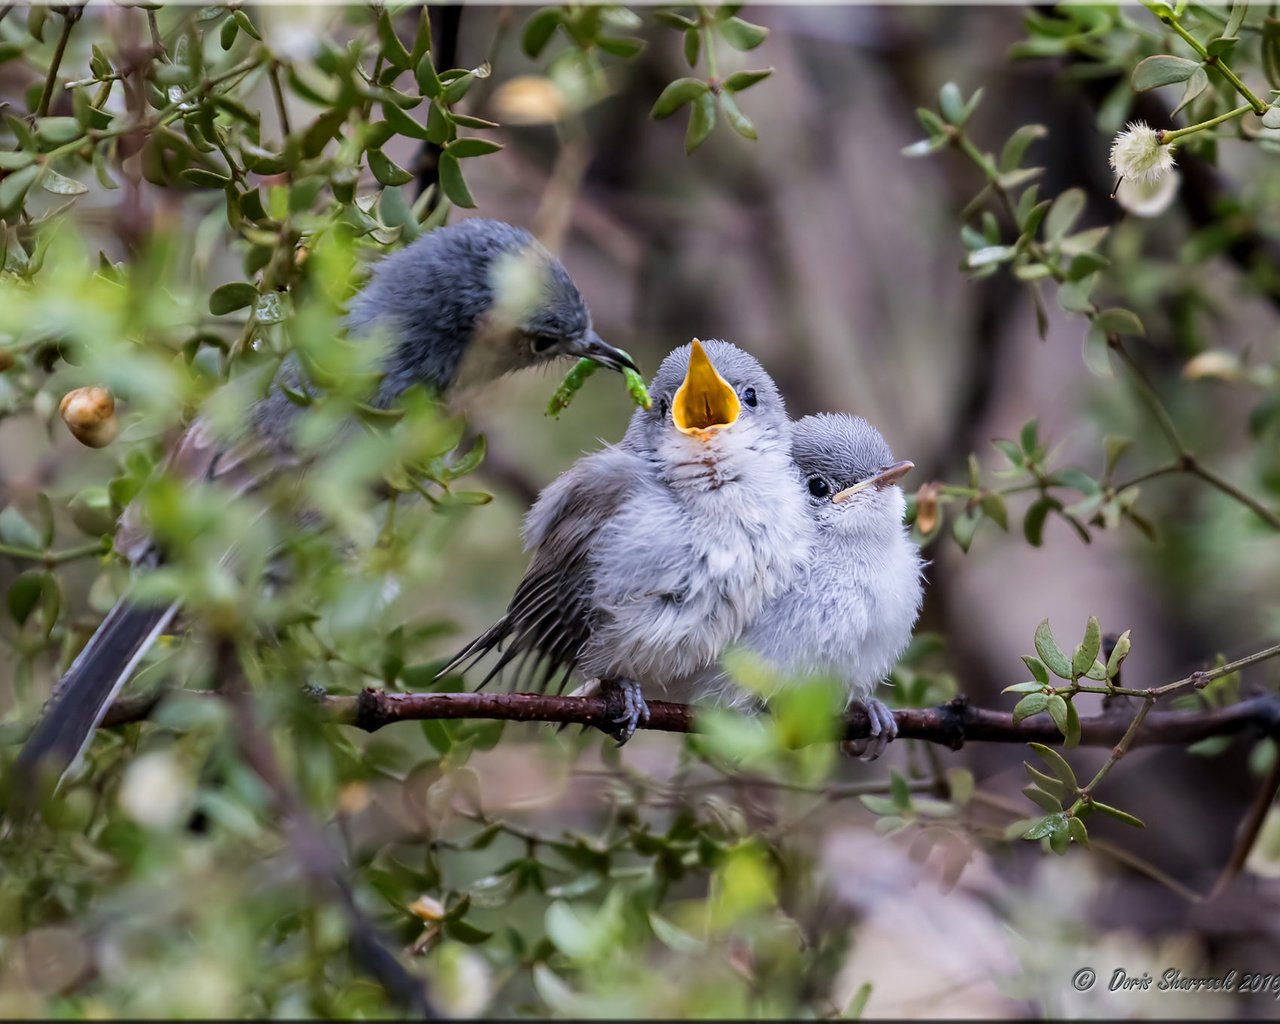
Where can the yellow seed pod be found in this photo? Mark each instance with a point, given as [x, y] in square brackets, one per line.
[90, 415]
[529, 99]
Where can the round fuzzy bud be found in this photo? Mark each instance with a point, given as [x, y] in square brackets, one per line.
[90, 415]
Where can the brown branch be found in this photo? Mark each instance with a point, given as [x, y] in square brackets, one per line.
[951, 725]
[310, 848]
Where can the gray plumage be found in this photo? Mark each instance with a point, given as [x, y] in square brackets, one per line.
[851, 609]
[651, 555]
[462, 305]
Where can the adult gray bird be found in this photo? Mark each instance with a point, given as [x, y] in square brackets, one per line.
[462, 306]
[851, 609]
[651, 555]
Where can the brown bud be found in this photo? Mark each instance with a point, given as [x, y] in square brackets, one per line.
[90, 415]
[6, 359]
[927, 507]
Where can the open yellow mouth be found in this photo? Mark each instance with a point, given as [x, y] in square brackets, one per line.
[885, 478]
[705, 401]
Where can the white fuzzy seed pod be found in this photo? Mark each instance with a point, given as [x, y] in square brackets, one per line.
[90, 415]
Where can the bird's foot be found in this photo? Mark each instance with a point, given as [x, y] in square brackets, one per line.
[884, 728]
[624, 707]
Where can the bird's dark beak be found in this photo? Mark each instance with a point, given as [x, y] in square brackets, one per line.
[887, 477]
[592, 346]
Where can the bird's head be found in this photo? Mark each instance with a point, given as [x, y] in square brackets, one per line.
[476, 300]
[711, 400]
[849, 474]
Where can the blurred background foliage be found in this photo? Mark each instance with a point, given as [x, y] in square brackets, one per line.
[190, 193]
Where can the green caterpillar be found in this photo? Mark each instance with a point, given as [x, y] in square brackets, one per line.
[577, 376]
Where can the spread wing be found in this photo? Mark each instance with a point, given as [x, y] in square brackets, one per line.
[550, 617]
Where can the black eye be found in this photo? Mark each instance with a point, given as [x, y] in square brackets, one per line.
[749, 396]
[818, 487]
[663, 408]
[541, 344]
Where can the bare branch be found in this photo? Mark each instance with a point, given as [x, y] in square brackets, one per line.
[951, 725]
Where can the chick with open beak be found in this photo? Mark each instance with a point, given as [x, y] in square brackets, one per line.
[851, 609]
[652, 555]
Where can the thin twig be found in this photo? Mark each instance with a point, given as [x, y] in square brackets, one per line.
[70, 15]
[314, 854]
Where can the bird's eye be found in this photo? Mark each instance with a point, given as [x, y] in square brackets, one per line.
[818, 487]
[663, 409]
[541, 344]
[749, 396]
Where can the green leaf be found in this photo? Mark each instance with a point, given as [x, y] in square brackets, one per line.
[1010, 450]
[227, 34]
[17, 531]
[15, 186]
[878, 804]
[623, 47]
[1088, 648]
[741, 80]
[1037, 668]
[1118, 654]
[742, 35]
[674, 938]
[1045, 826]
[951, 103]
[1054, 787]
[1117, 320]
[1042, 799]
[387, 171]
[1196, 84]
[1162, 69]
[12, 161]
[1071, 730]
[25, 592]
[61, 185]
[1064, 213]
[692, 46]
[702, 119]
[393, 51]
[465, 148]
[539, 29]
[899, 790]
[246, 24]
[428, 82]
[1079, 834]
[1118, 814]
[738, 121]
[964, 528]
[404, 124]
[1033, 521]
[676, 95]
[993, 507]
[1058, 710]
[1050, 653]
[452, 182]
[230, 297]
[439, 124]
[1057, 764]
[1271, 119]
[202, 178]
[1031, 704]
[1014, 150]
[58, 131]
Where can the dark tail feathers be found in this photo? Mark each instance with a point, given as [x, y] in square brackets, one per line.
[82, 696]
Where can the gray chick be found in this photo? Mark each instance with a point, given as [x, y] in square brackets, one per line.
[852, 607]
[651, 555]
[462, 305]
